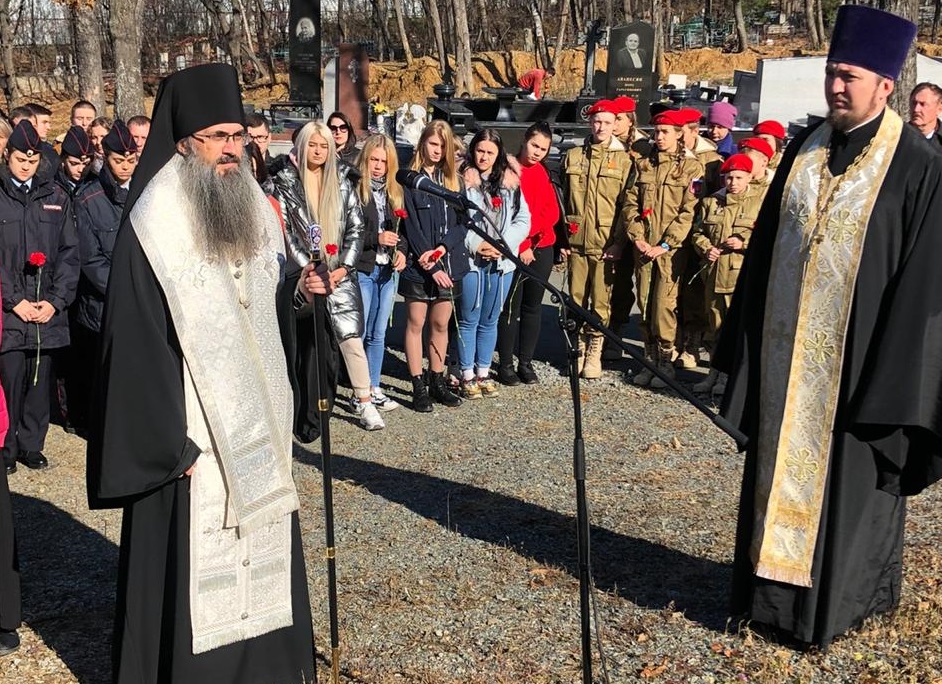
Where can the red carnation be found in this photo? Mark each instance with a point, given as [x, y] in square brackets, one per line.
[331, 249]
[497, 202]
[401, 213]
[646, 213]
[573, 228]
[438, 254]
[37, 259]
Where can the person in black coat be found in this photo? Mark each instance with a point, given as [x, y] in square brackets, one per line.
[98, 208]
[38, 271]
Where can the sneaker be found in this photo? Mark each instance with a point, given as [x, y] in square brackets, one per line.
[470, 389]
[369, 416]
[488, 387]
[382, 402]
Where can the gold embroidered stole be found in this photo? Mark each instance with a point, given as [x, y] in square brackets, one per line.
[811, 287]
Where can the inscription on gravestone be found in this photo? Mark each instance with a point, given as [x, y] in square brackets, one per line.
[631, 65]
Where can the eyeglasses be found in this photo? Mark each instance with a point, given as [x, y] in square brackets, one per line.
[258, 138]
[221, 138]
[341, 128]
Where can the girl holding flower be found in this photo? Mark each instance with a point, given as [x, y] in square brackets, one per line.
[492, 182]
[383, 252]
[321, 210]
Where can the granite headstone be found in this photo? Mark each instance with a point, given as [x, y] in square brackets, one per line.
[631, 65]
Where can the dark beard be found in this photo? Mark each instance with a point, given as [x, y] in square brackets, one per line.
[223, 208]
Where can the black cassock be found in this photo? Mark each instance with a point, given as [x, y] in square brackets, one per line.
[137, 452]
[888, 429]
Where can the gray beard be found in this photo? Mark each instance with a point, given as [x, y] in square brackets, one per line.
[223, 208]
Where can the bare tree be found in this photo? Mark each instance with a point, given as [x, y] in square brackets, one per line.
[561, 34]
[908, 9]
[935, 19]
[263, 32]
[463, 72]
[341, 27]
[813, 36]
[431, 9]
[125, 28]
[541, 49]
[401, 25]
[10, 89]
[819, 21]
[627, 9]
[740, 26]
[91, 83]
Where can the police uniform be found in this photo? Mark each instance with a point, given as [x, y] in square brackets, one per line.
[35, 219]
[595, 177]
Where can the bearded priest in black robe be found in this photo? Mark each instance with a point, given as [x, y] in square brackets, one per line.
[191, 429]
[834, 348]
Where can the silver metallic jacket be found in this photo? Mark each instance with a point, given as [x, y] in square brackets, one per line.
[344, 303]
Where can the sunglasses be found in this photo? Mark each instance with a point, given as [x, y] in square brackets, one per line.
[341, 128]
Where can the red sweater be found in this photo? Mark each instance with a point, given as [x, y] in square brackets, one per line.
[544, 209]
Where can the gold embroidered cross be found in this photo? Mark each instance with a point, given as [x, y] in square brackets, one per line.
[843, 226]
[802, 465]
[819, 346]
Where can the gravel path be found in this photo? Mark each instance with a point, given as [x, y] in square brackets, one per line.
[457, 550]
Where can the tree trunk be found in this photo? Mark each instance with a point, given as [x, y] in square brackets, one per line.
[578, 27]
[561, 34]
[125, 28]
[899, 100]
[819, 21]
[10, 88]
[489, 36]
[626, 8]
[341, 29]
[812, 25]
[263, 33]
[740, 26]
[657, 15]
[381, 20]
[609, 13]
[403, 36]
[432, 7]
[541, 50]
[935, 20]
[463, 72]
[91, 83]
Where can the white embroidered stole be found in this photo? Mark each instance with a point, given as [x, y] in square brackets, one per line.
[238, 408]
[810, 293]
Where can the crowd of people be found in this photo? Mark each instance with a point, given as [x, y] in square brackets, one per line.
[115, 245]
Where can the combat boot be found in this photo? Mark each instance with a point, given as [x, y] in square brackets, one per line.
[690, 356]
[643, 377]
[719, 389]
[666, 366]
[592, 369]
[705, 385]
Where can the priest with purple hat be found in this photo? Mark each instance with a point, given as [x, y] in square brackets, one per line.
[833, 345]
[190, 431]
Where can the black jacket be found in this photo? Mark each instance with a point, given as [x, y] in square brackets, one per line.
[98, 209]
[38, 222]
[371, 234]
[432, 222]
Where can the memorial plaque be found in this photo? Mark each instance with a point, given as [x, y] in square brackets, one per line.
[304, 51]
[631, 65]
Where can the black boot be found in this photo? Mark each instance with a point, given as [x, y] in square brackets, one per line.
[440, 392]
[421, 401]
[506, 375]
[527, 374]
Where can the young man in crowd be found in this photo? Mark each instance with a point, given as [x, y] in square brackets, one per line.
[139, 128]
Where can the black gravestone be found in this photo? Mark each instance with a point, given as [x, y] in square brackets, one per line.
[631, 65]
[304, 51]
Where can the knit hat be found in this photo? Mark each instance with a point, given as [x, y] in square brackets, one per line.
[872, 39]
[770, 127]
[119, 139]
[76, 144]
[757, 144]
[737, 162]
[24, 138]
[722, 114]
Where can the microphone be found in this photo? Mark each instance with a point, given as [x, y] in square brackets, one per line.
[419, 181]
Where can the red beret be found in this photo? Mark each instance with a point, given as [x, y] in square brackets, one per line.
[691, 115]
[770, 127]
[737, 162]
[757, 144]
[670, 118]
[624, 104]
[603, 106]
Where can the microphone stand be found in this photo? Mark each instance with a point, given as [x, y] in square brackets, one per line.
[571, 316]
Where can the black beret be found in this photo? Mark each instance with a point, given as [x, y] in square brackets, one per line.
[25, 138]
[76, 143]
[119, 139]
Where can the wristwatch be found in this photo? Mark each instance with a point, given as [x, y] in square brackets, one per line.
[666, 247]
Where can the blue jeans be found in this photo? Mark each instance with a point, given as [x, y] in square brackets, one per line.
[378, 290]
[482, 299]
